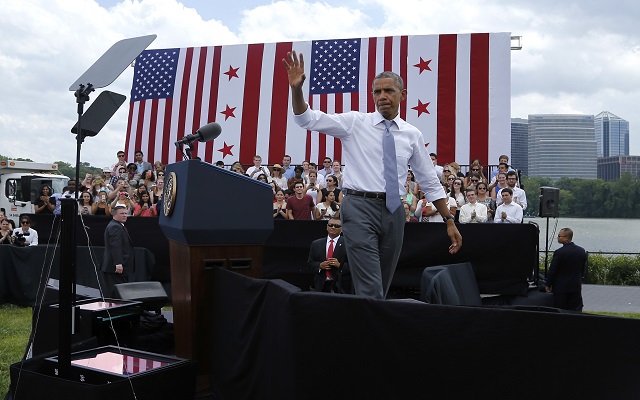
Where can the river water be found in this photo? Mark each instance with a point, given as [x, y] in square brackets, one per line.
[593, 234]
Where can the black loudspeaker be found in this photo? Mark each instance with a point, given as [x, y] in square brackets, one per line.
[549, 202]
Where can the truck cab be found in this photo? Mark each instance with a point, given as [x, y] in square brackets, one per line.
[20, 183]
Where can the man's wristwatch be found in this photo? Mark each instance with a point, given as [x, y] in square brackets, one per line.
[448, 217]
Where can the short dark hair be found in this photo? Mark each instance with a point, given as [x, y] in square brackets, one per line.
[433, 155]
[506, 190]
[138, 151]
[388, 74]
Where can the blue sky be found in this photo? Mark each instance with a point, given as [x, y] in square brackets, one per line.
[577, 57]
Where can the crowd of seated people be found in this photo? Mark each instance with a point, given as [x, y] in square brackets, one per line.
[136, 185]
[140, 191]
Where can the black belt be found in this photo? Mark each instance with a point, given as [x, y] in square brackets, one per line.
[369, 195]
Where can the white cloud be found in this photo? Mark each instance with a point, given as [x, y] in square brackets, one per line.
[576, 58]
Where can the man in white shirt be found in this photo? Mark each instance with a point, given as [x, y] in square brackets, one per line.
[508, 212]
[519, 195]
[25, 235]
[254, 172]
[372, 216]
[472, 211]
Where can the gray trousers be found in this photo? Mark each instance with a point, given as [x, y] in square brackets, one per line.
[373, 239]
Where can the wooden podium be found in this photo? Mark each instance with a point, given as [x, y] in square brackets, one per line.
[213, 218]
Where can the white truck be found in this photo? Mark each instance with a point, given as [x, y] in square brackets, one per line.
[20, 183]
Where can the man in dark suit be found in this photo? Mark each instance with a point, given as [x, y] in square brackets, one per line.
[328, 261]
[565, 274]
[118, 258]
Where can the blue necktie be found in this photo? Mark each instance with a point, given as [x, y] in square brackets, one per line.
[390, 168]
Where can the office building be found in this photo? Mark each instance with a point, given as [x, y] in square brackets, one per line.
[612, 168]
[520, 145]
[612, 135]
[562, 145]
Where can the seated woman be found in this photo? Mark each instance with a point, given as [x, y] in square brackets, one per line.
[410, 199]
[297, 176]
[328, 208]
[280, 206]
[45, 204]
[122, 199]
[237, 168]
[97, 187]
[101, 207]
[158, 167]
[138, 193]
[156, 191]
[407, 213]
[429, 213]
[147, 178]
[475, 168]
[484, 198]
[6, 233]
[332, 186]
[144, 207]
[500, 183]
[414, 186]
[277, 178]
[85, 204]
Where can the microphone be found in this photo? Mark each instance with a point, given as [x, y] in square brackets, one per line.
[204, 134]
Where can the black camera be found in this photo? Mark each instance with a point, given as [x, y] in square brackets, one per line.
[20, 239]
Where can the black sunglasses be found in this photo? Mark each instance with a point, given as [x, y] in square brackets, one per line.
[334, 225]
[25, 222]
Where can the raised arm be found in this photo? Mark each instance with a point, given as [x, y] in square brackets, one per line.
[295, 72]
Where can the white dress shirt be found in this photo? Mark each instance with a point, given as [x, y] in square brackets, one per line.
[519, 197]
[361, 137]
[514, 214]
[31, 239]
[467, 209]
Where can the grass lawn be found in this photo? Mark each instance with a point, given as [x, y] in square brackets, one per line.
[15, 328]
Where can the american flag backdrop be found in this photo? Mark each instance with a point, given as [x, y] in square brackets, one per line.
[458, 95]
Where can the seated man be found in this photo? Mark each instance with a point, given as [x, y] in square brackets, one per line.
[328, 261]
[25, 235]
[508, 212]
[257, 168]
[472, 211]
[519, 196]
[301, 205]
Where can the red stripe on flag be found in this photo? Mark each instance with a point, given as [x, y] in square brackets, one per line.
[197, 103]
[322, 138]
[251, 103]
[371, 73]
[388, 53]
[140, 126]
[129, 133]
[213, 98]
[307, 149]
[404, 54]
[447, 98]
[339, 108]
[166, 133]
[184, 96]
[479, 97]
[153, 122]
[279, 104]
